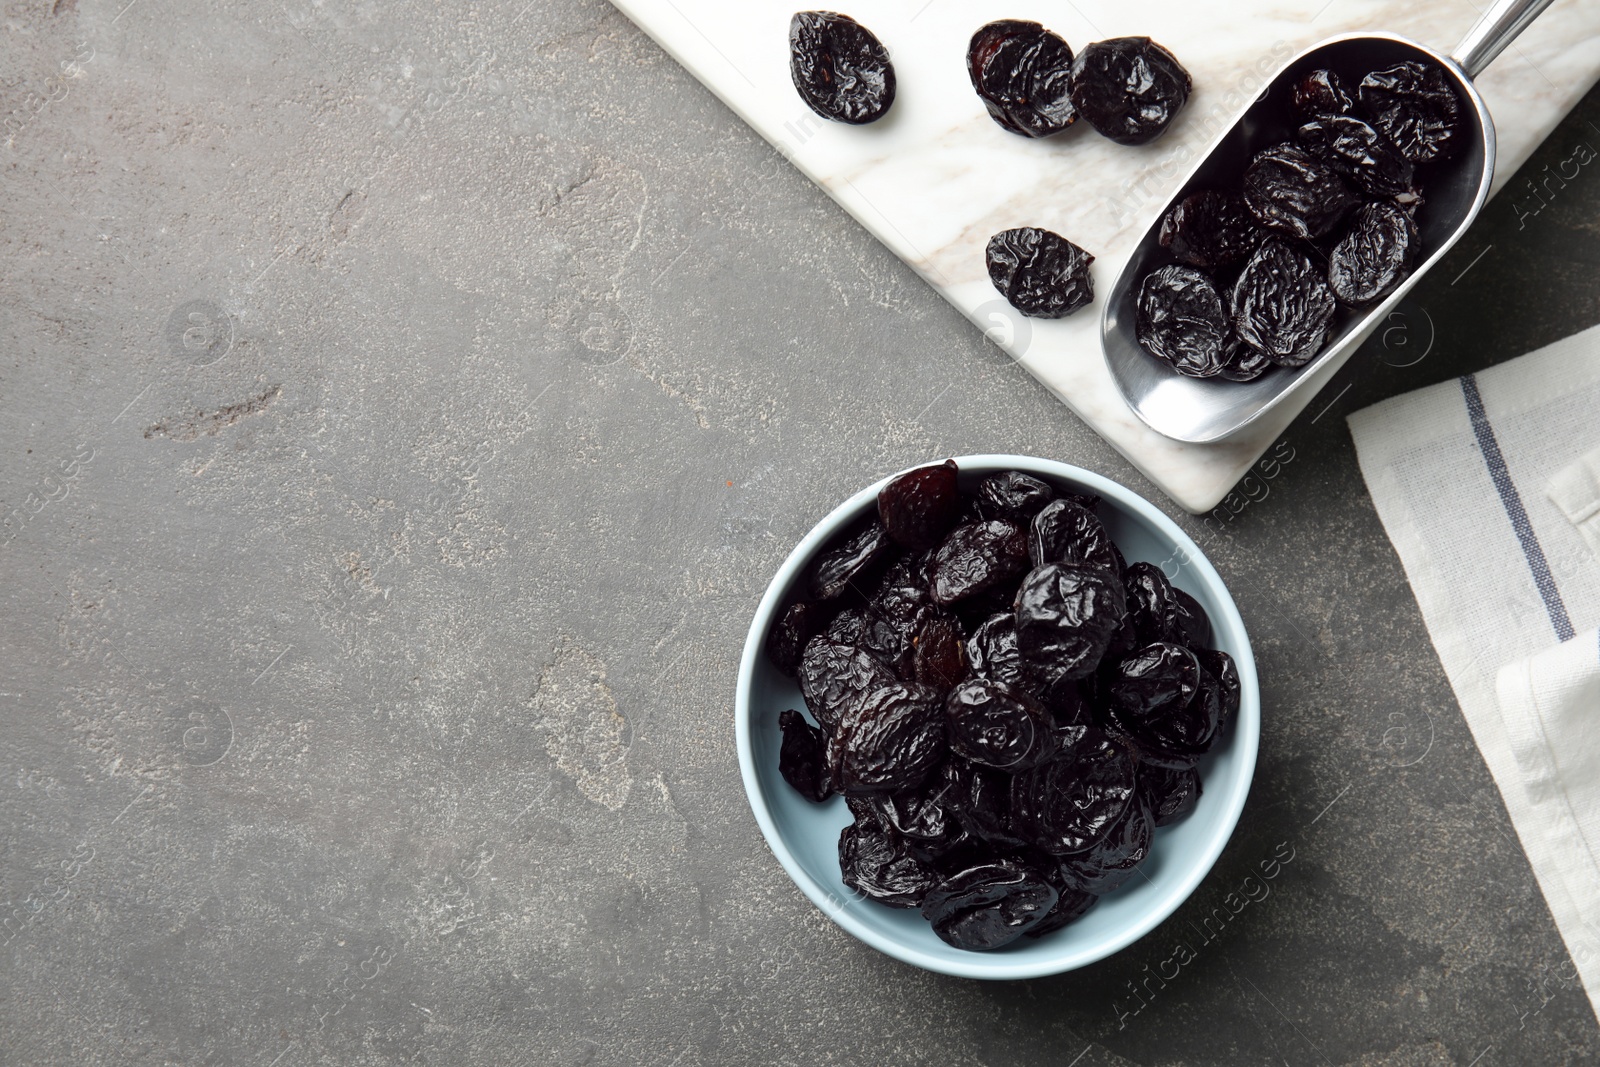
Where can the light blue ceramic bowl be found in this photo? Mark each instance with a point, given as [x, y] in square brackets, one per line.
[804, 836]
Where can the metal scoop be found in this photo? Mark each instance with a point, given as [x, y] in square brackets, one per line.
[1209, 409]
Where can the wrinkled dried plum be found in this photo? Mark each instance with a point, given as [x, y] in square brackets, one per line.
[1166, 704]
[880, 867]
[1320, 93]
[1282, 306]
[1220, 666]
[1416, 107]
[1042, 274]
[1021, 71]
[1110, 862]
[1194, 625]
[802, 757]
[1209, 229]
[1245, 364]
[992, 650]
[918, 814]
[888, 740]
[1374, 256]
[980, 799]
[1066, 616]
[1152, 602]
[1070, 906]
[1013, 495]
[1184, 321]
[1129, 88]
[1067, 532]
[786, 641]
[841, 70]
[991, 724]
[1171, 794]
[838, 569]
[1365, 156]
[919, 507]
[940, 656]
[988, 907]
[1071, 802]
[1158, 679]
[848, 627]
[1288, 189]
[835, 676]
[977, 557]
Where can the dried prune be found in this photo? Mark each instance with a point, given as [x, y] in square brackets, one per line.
[1013, 495]
[1415, 105]
[848, 627]
[834, 676]
[977, 557]
[1209, 229]
[1070, 906]
[1245, 364]
[1020, 70]
[1071, 802]
[786, 641]
[1184, 321]
[992, 650]
[940, 656]
[888, 740]
[839, 68]
[1374, 255]
[980, 799]
[988, 907]
[1166, 704]
[918, 813]
[1065, 531]
[1365, 156]
[1129, 88]
[1282, 306]
[1320, 93]
[1171, 794]
[1066, 615]
[1159, 679]
[1221, 666]
[802, 757]
[1110, 861]
[1000, 727]
[877, 865]
[919, 507]
[1194, 625]
[1288, 189]
[835, 571]
[1042, 274]
[1152, 602]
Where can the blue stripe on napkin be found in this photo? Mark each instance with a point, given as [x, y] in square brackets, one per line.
[1511, 500]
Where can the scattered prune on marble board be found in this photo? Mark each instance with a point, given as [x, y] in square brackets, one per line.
[1319, 94]
[1290, 190]
[879, 866]
[1041, 273]
[1416, 107]
[1021, 72]
[841, 70]
[1374, 256]
[1282, 305]
[1209, 229]
[802, 757]
[918, 508]
[1183, 321]
[1129, 88]
[1358, 151]
[990, 906]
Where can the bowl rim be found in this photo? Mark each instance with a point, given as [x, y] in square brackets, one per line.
[995, 966]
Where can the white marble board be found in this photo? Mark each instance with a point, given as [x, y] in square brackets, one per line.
[936, 177]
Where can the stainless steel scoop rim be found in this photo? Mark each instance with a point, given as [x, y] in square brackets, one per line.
[1337, 352]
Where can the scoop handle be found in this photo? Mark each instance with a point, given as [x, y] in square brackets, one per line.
[1497, 28]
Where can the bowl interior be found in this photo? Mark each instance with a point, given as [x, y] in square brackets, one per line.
[805, 836]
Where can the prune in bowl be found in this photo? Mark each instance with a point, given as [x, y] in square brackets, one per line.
[1038, 912]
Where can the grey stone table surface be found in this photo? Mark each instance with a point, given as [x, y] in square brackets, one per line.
[402, 408]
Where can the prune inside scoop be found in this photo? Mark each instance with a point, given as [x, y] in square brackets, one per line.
[1184, 321]
[1416, 107]
[1288, 189]
[1374, 256]
[1282, 306]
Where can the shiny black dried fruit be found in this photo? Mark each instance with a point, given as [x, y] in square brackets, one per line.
[1245, 364]
[1288, 189]
[1110, 862]
[1318, 94]
[836, 570]
[1160, 611]
[1194, 625]
[1013, 495]
[1070, 906]
[887, 741]
[1415, 105]
[1070, 803]
[1042, 274]
[939, 658]
[1158, 679]
[1209, 229]
[999, 727]
[880, 867]
[1066, 616]
[1365, 156]
[1067, 532]
[802, 757]
[1220, 666]
[988, 907]
[980, 799]
[834, 676]
[1171, 794]
[786, 641]
[992, 650]
[1167, 706]
[1374, 256]
[1184, 322]
[1129, 88]
[840, 69]
[1282, 306]
[919, 507]
[1021, 71]
[977, 557]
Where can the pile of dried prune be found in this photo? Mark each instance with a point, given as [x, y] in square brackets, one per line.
[1324, 218]
[1008, 707]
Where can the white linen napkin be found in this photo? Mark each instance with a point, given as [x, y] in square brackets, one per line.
[1483, 485]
